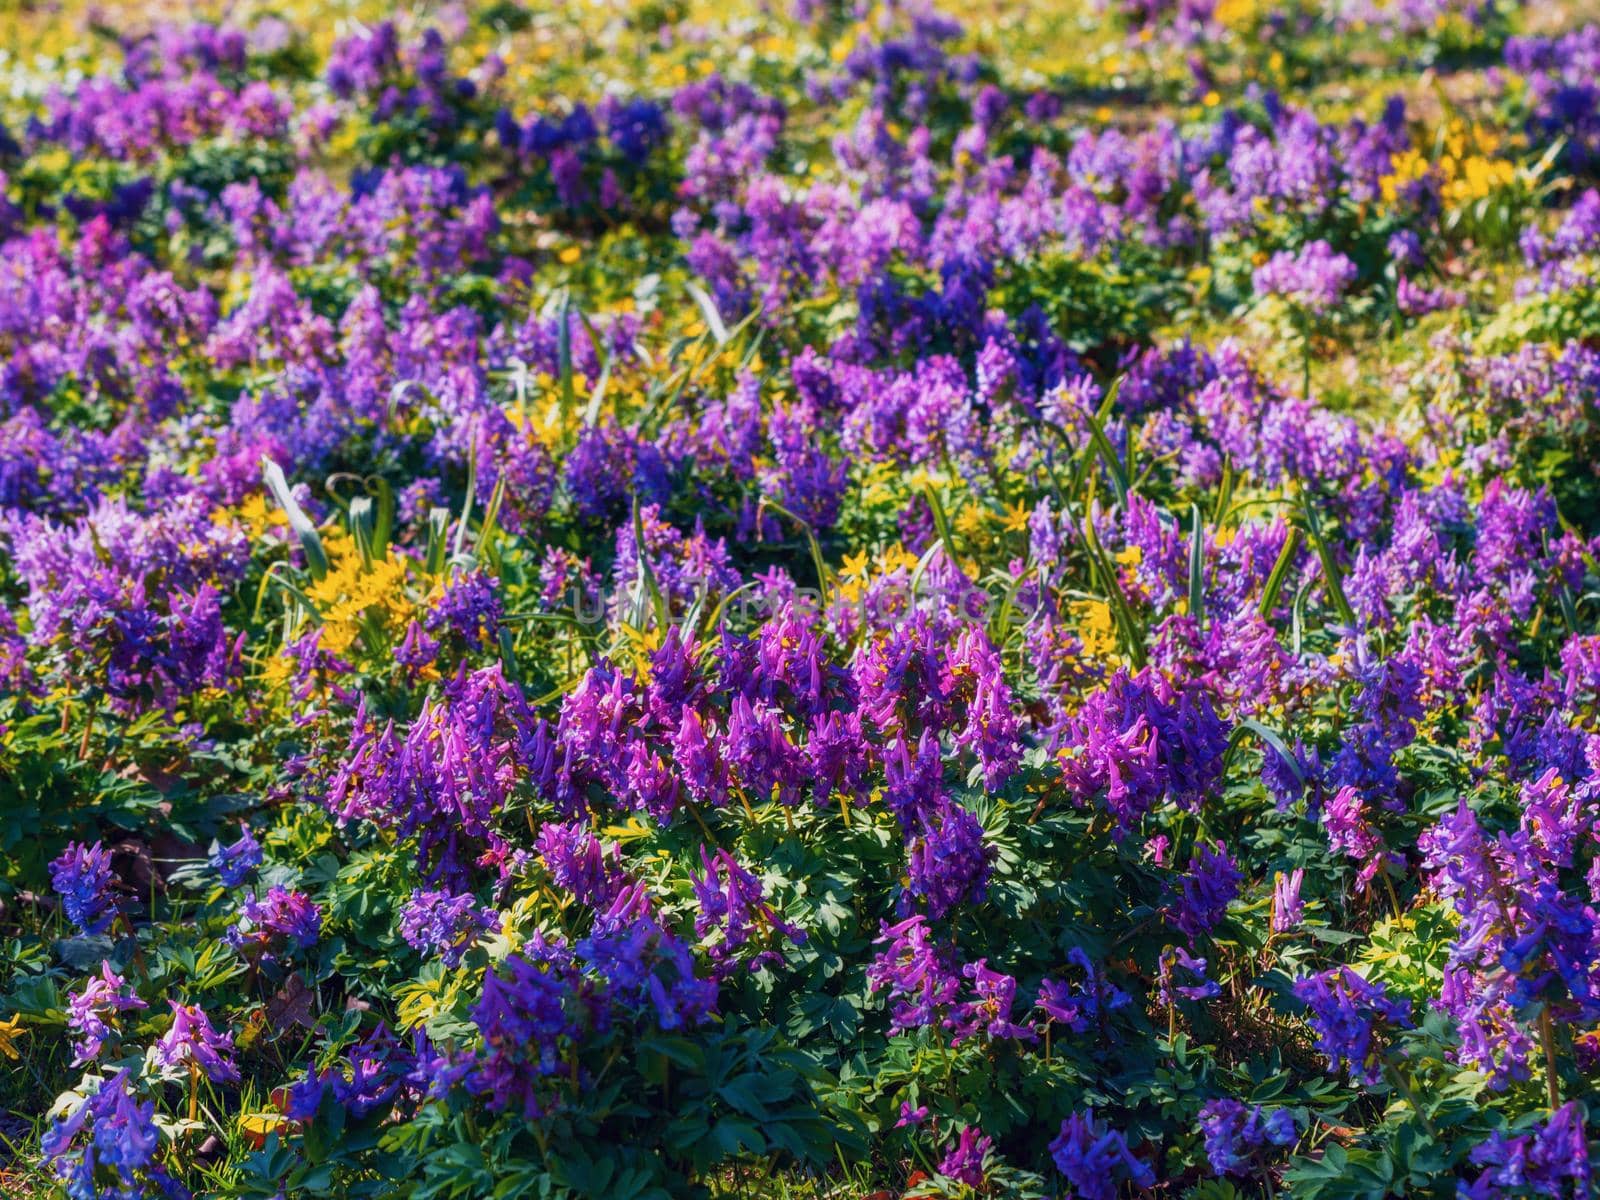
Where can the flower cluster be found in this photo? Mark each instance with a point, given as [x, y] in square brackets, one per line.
[82, 878]
[1235, 1132]
[785, 591]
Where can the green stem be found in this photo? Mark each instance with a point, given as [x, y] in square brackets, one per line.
[1393, 898]
[1403, 1085]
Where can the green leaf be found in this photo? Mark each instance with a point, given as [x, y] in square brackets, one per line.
[310, 541]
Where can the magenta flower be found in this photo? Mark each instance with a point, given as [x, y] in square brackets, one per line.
[91, 1013]
[911, 1117]
[1314, 279]
[918, 976]
[281, 919]
[989, 1013]
[193, 1039]
[1287, 909]
[967, 1160]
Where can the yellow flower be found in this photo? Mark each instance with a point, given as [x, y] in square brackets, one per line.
[1235, 14]
[10, 1031]
[1404, 168]
[1016, 519]
[1096, 629]
[897, 558]
[969, 522]
[1479, 177]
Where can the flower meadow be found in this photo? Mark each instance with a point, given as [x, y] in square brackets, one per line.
[657, 598]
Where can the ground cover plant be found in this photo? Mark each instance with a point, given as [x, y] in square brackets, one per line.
[675, 599]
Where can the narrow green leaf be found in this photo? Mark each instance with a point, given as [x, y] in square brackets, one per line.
[564, 355]
[1197, 567]
[1332, 577]
[383, 524]
[708, 310]
[646, 572]
[1280, 573]
[310, 540]
[438, 530]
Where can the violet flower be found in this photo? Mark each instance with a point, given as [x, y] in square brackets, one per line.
[1349, 1016]
[966, 1160]
[91, 1013]
[81, 876]
[1236, 1133]
[193, 1038]
[234, 864]
[1096, 1160]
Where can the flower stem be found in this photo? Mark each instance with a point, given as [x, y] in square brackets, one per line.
[1552, 1081]
[1394, 898]
[1403, 1085]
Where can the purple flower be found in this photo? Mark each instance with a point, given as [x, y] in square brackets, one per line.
[965, 1161]
[1082, 1007]
[529, 1013]
[990, 1012]
[647, 971]
[580, 863]
[1211, 884]
[82, 878]
[1235, 1133]
[446, 777]
[1550, 1160]
[539, 1007]
[1351, 832]
[122, 1143]
[634, 127]
[1405, 248]
[469, 607]
[372, 1074]
[192, 1038]
[235, 863]
[91, 1013]
[910, 1117]
[1414, 300]
[731, 905]
[1205, 988]
[1141, 740]
[1347, 1014]
[1287, 909]
[1314, 279]
[1096, 1160]
[920, 979]
[267, 922]
[992, 731]
[444, 924]
[949, 863]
